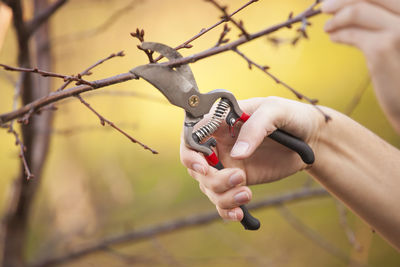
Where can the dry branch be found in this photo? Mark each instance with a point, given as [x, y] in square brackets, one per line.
[180, 224]
[56, 96]
[104, 121]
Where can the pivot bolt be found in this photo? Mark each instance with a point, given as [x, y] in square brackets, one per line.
[194, 101]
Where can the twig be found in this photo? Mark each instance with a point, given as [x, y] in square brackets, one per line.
[351, 237]
[314, 236]
[226, 17]
[357, 98]
[179, 224]
[87, 72]
[139, 34]
[104, 121]
[222, 39]
[54, 97]
[106, 24]
[187, 43]
[37, 21]
[44, 73]
[22, 151]
[265, 69]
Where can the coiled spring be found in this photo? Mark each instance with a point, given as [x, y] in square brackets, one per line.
[216, 120]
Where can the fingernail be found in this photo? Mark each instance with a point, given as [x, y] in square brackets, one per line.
[242, 198]
[232, 215]
[199, 168]
[239, 149]
[329, 6]
[236, 179]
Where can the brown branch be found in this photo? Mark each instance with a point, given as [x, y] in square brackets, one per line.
[44, 73]
[54, 97]
[230, 46]
[139, 34]
[222, 40]
[22, 150]
[42, 17]
[106, 24]
[87, 72]
[278, 81]
[226, 17]
[314, 236]
[179, 224]
[104, 121]
[203, 31]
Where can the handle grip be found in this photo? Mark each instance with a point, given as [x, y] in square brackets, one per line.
[290, 141]
[248, 221]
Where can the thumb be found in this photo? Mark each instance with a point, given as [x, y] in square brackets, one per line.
[255, 129]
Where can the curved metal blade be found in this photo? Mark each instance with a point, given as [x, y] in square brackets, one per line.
[172, 54]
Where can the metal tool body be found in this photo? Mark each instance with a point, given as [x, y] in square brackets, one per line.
[179, 87]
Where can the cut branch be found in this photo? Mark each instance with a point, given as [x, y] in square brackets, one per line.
[180, 224]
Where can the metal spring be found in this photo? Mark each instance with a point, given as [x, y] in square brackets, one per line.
[216, 120]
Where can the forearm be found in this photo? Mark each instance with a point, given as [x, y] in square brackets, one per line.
[363, 171]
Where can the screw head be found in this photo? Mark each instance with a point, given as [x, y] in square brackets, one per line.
[194, 101]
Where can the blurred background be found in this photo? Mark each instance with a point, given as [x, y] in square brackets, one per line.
[96, 184]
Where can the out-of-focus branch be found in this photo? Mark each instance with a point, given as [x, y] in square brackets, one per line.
[104, 26]
[104, 121]
[314, 236]
[180, 224]
[43, 16]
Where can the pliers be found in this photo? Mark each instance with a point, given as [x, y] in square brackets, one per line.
[179, 87]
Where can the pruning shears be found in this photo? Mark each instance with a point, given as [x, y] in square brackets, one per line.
[179, 87]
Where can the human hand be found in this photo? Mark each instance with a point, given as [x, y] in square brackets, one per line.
[374, 27]
[251, 158]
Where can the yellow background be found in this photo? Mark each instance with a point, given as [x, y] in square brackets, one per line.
[97, 184]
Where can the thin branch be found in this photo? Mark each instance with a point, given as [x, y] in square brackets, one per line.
[179, 224]
[265, 69]
[314, 236]
[105, 25]
[22, 151]
[104, 121]
[222, 40]
[187, 43]
[357, 98]
[226, 17]
[42, 17]
[54, 97]
[44, 73]
[351, 236]
[87, 72]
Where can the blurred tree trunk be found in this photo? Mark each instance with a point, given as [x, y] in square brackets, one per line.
[36, 137]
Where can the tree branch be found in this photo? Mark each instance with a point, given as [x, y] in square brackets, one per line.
[104, 121]
[54, 97]
[43, 16]
[180, 224]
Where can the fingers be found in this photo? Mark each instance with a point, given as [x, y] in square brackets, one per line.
[193, 160]
[257, 127]
[226, 190]
[353, 36]
[332, 6]
[220, 181]
[361, 14]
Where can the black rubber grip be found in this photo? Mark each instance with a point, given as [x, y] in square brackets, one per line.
[248, 221]
[295, 144]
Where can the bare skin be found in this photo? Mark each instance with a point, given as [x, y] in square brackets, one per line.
[352, 163]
